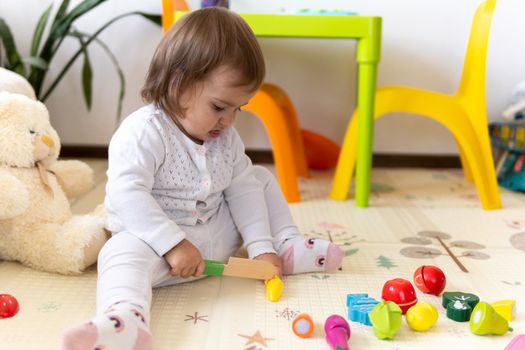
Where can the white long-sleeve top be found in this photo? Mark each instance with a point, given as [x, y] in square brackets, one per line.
[159, 180]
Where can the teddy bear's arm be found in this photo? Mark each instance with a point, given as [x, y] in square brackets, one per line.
[75, 177]
[14, 197]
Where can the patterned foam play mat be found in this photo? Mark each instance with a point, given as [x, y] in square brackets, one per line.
[416, 217]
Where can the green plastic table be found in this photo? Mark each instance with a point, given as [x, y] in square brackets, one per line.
[367, 31]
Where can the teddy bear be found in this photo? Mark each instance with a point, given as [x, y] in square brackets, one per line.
[13, 82]
[37, 227]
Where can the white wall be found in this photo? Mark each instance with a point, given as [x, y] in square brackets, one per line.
[423, 45]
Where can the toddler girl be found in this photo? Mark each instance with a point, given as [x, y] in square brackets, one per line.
[180, 187]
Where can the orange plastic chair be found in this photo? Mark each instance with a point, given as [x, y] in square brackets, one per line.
[277, 113]
[168, 9]
[463, 113]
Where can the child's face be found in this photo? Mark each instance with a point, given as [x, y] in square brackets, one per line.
[211, 108]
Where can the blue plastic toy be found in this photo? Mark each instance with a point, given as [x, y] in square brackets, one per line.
[359, 306]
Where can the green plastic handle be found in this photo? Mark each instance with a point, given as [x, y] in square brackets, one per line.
[213, 268]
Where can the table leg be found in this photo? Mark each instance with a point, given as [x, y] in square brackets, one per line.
[366, 96]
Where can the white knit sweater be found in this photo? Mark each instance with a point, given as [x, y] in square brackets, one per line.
[159, 181]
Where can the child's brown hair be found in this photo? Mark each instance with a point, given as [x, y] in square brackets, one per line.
[198, 43]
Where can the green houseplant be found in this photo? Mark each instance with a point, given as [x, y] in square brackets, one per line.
[35, 66]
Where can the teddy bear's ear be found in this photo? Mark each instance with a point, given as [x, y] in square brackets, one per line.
[20, 119]
[5, 105]
[20, 100]
[12, 105]
[15, 83]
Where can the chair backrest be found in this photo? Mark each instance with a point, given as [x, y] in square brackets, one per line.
[168, 8]
[472, 85]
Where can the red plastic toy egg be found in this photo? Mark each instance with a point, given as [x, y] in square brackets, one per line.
[401, 292]
[8, 306]
[430, 279]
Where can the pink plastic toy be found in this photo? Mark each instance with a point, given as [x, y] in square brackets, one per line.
[517, 343]
[337, 332]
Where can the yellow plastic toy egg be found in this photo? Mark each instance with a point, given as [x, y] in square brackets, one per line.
[421, 316]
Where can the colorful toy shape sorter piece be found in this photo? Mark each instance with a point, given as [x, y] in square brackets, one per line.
[303, 326]
[517, 343]
[8, 306]
[386, 319]
[485, 320]
[506, 308]
[401, 292]
[337, 332]
[430, 279]
[359, 306]
[421, 316]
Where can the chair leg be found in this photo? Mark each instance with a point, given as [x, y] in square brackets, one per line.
[483, 172]
[292, 126]
[346, 163]
[264, 106]
[474, 147]
[464, 164]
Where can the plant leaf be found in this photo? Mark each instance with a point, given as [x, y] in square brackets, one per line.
[92, 37]
[120, 73]
[35, 62]
[157, 19]
[58, 32]
[87, 80]
[79, 52]
[61, 30]
[13, 57]
[61, 11]
[39, 30]
[87, 71]
[122, 79]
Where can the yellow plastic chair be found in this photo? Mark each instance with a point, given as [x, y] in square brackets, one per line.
[463, 113]
[277, 113]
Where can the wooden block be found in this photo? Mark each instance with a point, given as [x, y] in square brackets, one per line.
[247, 268]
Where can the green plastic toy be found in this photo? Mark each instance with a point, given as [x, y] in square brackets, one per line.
[386, 319]
[469, 298]
[459, 305]
[485, 320]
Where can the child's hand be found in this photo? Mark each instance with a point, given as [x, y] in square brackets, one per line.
[185, 260]
[273, 259]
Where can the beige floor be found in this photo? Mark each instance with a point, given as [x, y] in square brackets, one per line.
[410, 210]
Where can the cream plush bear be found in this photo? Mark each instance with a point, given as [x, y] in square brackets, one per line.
[37, 227]
[12, 82]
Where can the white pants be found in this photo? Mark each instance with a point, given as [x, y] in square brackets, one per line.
[128, 268]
